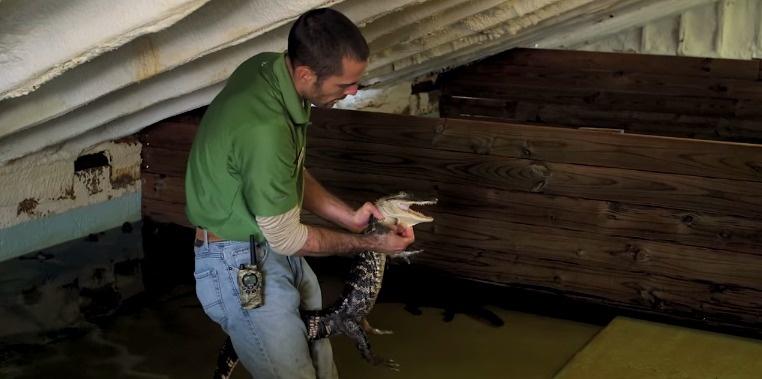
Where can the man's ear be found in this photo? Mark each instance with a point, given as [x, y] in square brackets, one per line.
[304, 74]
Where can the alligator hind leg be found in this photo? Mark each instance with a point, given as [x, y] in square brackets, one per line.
[354, 331]
[371, 330]
[227, 359]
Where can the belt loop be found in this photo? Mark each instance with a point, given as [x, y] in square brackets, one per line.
[206, 239]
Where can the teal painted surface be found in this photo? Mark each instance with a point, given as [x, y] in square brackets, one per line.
[49, 231]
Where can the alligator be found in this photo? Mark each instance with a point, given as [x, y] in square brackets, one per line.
[348, 315]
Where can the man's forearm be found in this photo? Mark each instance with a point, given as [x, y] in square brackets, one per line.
[324, 242]
[324, 204]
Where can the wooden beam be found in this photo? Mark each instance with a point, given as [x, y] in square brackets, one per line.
[594, 61]
[720, 196]
[603, 218]
[677, 96]
[493, 79]
[711, 303]
[170, 134]
[549, 144]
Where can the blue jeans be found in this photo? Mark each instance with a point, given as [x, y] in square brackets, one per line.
[271, 341]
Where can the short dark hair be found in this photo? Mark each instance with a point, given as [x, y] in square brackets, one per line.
[321, 38]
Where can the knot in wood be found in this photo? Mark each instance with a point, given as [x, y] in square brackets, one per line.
[526, 150]
[539, 170]
[537, 187]
[641, 256]
[481, 145]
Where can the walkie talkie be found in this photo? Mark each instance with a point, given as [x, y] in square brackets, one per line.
[251, 280]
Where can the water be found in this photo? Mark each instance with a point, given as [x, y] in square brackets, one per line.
[444, 327]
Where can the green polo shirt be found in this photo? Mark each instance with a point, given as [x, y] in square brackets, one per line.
[248, 155]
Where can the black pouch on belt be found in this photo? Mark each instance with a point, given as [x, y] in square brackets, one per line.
[251, 280]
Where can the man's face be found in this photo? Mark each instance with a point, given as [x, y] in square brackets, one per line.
[331, 89]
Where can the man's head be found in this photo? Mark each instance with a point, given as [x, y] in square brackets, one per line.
[328, 56]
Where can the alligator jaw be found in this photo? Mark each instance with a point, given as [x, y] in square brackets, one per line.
[396, 210]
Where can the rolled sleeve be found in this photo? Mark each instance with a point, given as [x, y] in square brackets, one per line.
[285, 233]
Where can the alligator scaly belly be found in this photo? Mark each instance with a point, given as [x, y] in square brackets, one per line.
[359, 296]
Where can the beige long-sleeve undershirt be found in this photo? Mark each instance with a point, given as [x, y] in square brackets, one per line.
[285, 233]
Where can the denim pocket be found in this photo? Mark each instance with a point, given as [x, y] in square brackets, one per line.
[235, 256]
[209, 294]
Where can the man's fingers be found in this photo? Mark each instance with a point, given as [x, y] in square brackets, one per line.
[374, 210]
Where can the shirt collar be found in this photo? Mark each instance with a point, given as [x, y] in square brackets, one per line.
[298, 108]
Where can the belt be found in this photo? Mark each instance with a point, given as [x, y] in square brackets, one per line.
[200, 237]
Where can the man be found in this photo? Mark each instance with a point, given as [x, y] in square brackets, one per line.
[246, 177]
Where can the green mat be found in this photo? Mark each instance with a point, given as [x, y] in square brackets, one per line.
[629, 349]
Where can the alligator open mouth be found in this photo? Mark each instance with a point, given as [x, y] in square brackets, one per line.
[397, 209]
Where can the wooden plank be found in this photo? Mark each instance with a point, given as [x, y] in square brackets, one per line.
[748, 109]
[571, 116]
[727, 129]
[473, 254]
[373, 127]
[165, 161]
[596, 217]
[493, 78]
[713, 303]
[468, 96]
[731, 161]
[588, 147]
[160, 187]
[169, 135]
[654, 64]
[612, 254]
[479, 108]
[697, 98]
[719, 196]
[647, 153]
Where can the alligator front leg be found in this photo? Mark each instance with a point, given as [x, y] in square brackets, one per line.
[405, 255]
[354, 331]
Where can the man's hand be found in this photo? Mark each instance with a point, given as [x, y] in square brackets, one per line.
[395, 241]
[359, 219]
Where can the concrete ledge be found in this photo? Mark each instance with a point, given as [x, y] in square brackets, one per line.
[79, 222]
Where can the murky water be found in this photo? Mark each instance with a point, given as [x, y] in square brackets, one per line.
[170, 337]
[444, 327]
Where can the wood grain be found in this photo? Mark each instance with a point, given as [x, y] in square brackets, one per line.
[709, 195]
[637, 152]
[676, 96]
[605, 218]
[661, 225]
